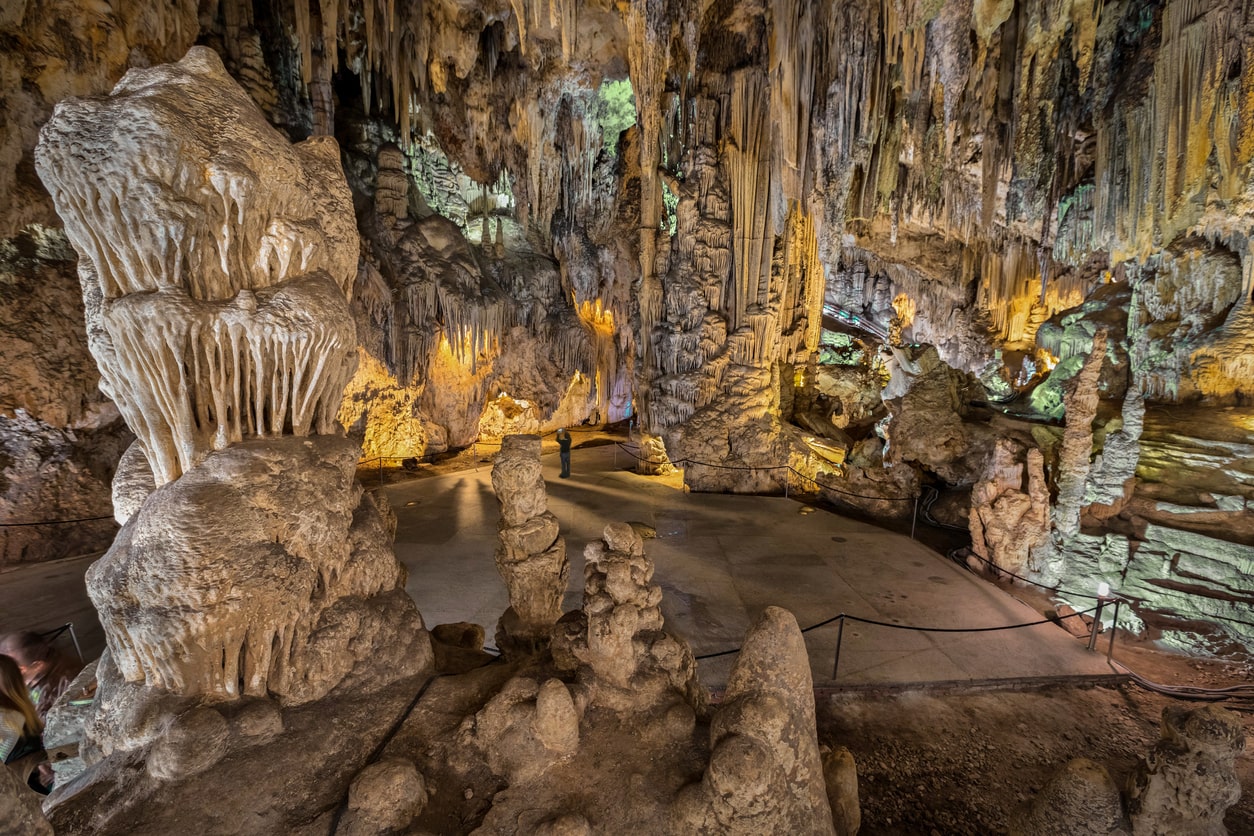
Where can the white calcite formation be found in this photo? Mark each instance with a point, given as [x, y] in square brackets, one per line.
[215, 260]
[264, 570]
[531, 556]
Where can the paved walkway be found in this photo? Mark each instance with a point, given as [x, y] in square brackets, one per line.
[721, 560]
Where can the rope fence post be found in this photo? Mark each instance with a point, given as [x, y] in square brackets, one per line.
[380, 471]
[1097, 623]
[840, 634]
[77, 647]
[1110, 648]
[914, 520]
[474, 452]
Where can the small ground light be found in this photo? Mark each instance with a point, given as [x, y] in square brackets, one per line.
[1103, 590]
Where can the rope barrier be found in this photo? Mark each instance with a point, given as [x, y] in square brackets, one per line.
[1071, 593]
[860, 619]
[56, 522]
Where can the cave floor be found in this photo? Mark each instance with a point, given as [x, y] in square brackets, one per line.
[721, 559]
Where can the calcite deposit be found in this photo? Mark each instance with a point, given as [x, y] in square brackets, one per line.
[215, 260]
[531, 556]
[216, 288]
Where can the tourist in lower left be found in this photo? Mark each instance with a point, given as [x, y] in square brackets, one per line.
[21, 730]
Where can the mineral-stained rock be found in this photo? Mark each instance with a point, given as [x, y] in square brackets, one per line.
[1189, 780]
[384, 798]
[1009, 520]
[1076, 453]
[765, 773]
[1081, 798]
[926, 400]
[20, 814]
[1113, 474]
[616, 644]
[531, 556]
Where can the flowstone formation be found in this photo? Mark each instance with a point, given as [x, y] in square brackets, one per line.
[215, 287]
[531, 556]
[215, 260]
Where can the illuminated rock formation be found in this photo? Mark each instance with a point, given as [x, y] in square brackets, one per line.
[1010, 520]
[215, 260]
[927, 400]
[215, 293]
[616, 645]
[531, 555]
[765, 773]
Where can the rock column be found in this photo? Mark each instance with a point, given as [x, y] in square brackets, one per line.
[531, 556]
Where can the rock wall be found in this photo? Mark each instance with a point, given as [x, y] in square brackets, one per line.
[60, 437]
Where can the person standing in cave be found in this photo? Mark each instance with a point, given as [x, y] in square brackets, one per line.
[563, 444]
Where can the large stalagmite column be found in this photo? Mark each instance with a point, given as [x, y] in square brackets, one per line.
[216, 260]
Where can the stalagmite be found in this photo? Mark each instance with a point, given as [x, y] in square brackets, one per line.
[616, 646]
[531, 556]
[215, 262]
[1076, 453]
[765, 773]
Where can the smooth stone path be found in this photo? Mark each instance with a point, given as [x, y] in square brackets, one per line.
[722, 559]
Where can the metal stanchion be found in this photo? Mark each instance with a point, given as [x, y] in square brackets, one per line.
[840, 634]
[380, 471]
[915, 519]
[1097, 620]
[474, 452]
[1110, 648]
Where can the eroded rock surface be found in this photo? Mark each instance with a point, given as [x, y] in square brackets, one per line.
[1187, 782]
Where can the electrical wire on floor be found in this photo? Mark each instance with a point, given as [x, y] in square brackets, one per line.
[1235, 697]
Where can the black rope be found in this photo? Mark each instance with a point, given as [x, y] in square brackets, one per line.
[913, 628]
[1057, 590]
[1073, 594]
[56, 522]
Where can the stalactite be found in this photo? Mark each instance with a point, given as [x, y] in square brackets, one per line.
[748, 158]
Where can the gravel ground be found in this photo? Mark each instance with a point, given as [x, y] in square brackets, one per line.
[962, 763]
